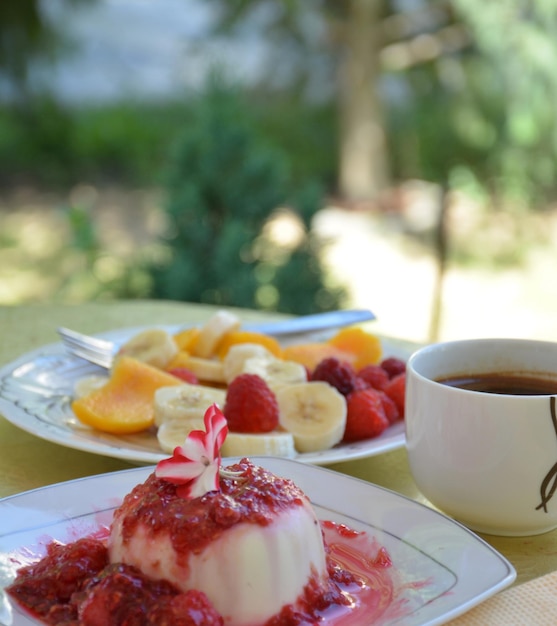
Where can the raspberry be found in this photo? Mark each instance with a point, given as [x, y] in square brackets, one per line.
[183, 373]
[337, 373]
[396, 390]
[374, 375]
[250, 407]
[360, 384]
[391, 409]
[365, 416]
[393, 366]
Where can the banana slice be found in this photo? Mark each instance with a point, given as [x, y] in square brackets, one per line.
[174, 433]
[154, 346]
[275, 372]
[84, 386]
[213, 331]
[208, 370]
[315, 414]
[185, 402]
[265, 444]
[233, 362]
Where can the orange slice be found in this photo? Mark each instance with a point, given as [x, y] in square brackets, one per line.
[125, 404]
[186, 338]
[244, 336]
[365, 347]
[180, 359]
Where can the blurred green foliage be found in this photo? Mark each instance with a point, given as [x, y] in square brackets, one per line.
[52, 145]
[224, 181]
[483, 120]
[128, 142]
[478, 118]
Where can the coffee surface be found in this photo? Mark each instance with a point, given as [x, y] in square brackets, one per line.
[504, 383]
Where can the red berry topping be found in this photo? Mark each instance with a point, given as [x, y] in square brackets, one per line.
[375, 376]
[365, 417]
[393, 366]
[250, 407]
[382, 558]
[183, 373]
[191, 608]
[396, 390]
[337, 373]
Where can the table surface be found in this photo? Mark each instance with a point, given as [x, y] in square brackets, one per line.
[25, 328]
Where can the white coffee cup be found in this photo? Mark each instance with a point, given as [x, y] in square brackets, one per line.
[487, 459]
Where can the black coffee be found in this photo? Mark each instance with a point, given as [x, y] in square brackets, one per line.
[504, 383]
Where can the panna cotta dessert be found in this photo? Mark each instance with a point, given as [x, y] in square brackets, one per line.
[252, 547]
[198, 543]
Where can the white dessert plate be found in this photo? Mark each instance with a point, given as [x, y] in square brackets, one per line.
[442, 568]
[36, 392]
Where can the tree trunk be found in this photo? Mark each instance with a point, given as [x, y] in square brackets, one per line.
[362, 160]
[441, 244]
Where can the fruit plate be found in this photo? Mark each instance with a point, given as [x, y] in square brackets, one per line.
[36, 393]
[442, 568]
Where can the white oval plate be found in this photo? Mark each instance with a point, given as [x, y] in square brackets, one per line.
[36, 392]
[443, 568]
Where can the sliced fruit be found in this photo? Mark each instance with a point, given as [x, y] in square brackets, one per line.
[315, 414]
[154, 346]
[125, 404]
[244, 336]
[181, 357]
[208, 370]
[87, 384]
[365, 347]
[183, 373]
[237, 355]
[211, 333]
[311, 354]
[185, 402]
[184, 338]
[276, 443]
[275, 372]
[173, 433]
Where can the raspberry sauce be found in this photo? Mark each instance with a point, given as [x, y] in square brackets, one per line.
[75, 584]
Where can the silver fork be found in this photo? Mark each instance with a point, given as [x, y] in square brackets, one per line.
[101, 352]
[97, 351]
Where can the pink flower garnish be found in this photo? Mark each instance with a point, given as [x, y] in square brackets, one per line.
[195, 465]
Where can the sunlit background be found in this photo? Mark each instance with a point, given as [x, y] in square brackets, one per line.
[289, 156]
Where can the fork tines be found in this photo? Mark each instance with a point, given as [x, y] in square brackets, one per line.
[93, 349]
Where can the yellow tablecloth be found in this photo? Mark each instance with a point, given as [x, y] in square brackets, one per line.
[27, 462]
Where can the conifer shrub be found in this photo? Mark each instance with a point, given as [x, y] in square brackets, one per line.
[223, 183]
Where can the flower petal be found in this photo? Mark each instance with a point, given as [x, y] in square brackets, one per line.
[195, 465]
[195, 447]
[208, 481]
[216, 427]
[179, 471]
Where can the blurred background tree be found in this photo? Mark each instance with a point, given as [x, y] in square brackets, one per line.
[359, 97]
[25, 36]
[225, 184]
[422, 89]
[397, 89]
